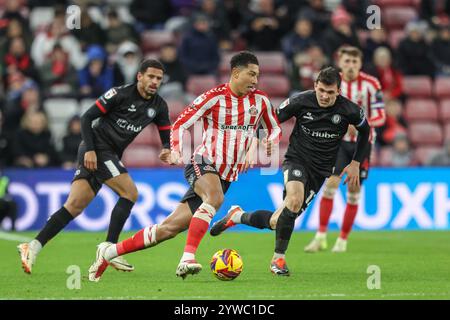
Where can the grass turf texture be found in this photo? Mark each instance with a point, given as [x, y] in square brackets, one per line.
[414, 265]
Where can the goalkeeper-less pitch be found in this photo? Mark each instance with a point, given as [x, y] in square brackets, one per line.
[411, 265]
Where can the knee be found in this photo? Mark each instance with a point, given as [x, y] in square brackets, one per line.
[131, 194]
[294, 202]
[75, 206]
[215, 199]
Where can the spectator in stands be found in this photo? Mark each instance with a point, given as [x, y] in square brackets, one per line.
[14, 29]
[395, 123]
[57, 75]
[390, 78]
[435, 12]
[118, 32]
[57, 33]
[90, 32]
[199, 50]
[183, 7]
[97, 77]
[377, 38]
[18, 59]
[14, 11]
[220, 26]
[150, 14]
[442, 158]
[174, 82]
[340, 33]
[402, 156]
[129, 57]
[305, 68]
[299, 39]
[71, 141]
[319, 16]
[5, 145]
[33, 144]
[357, 9]
[264, 28]
[440, 51]
[413, 53]
[23, 95]
[8, 207]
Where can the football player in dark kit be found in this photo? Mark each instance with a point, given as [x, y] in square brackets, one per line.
[322, 118]
[120, 114]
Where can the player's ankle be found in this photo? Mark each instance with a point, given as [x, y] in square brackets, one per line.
[321, 235]
[278, 256]
[187, 256]
[35, 245]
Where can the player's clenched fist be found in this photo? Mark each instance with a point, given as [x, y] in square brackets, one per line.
[164, 156]
[90, 160]
[175, 158]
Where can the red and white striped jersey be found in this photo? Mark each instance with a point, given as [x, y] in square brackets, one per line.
[229, 124]
[366, 92]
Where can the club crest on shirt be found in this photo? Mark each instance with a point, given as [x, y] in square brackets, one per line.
[297, 173]
[110, 93]
[336, 119]
[253, 110]
[151, 113]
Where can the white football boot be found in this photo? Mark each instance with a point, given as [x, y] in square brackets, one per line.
[27, 255]
[188, 267]
[319, 243]
[100, 264]
[340, 246]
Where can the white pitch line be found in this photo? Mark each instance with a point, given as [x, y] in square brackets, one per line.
[13, 237]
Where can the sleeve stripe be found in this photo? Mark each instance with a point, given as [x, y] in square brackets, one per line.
[164, 128]
[102, 108]
[361, 123]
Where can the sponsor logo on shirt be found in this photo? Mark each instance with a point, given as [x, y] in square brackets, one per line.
[320, 134]
[236, 127]
[124, 124]
[308, 116]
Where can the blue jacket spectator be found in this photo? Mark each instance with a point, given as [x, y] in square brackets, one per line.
[96, 77]
[299, 39]
[199, 50]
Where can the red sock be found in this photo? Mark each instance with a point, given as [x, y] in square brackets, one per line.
[326, 206]
[349, 217]
[198, 227]
[140, 240]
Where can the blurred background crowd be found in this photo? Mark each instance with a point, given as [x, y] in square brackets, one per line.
[50, 74]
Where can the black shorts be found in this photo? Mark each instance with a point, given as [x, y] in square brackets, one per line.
[345, 156]
[298, 172]
[108, 166]
[192, 173]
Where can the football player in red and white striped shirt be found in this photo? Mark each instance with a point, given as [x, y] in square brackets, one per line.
[365, 91]
[231, 113]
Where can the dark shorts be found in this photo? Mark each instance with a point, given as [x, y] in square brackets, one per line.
[345, 156]
[192, 173]
[108, 166]
[298, 172]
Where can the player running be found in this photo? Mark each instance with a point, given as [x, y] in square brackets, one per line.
[365, 91]
[230, 114]
[122, 113]
[322, 119]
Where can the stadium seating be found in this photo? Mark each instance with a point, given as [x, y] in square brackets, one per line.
[442, 87]
[425, 133]
[444, 111]
[388, 3]
[394, 38]
[417, 86]
[176, 107]
[86, 104]
[447, 132]
[385, 157]
[421, 109]
[274, 85]
[286, 128]
[59, 111]
[423, 154]
[148, 136]
[197, 85]
[396, 17]
[269, 62]
[153, 40]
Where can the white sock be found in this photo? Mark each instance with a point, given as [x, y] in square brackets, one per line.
[187, 256]
[111, 252]
[35, 245]
[236, 218]
[321, 235]
[278, 255]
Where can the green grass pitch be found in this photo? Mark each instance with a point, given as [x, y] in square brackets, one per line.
[413, 265]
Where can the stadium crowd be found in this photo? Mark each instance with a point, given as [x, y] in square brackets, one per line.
[50, 74]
